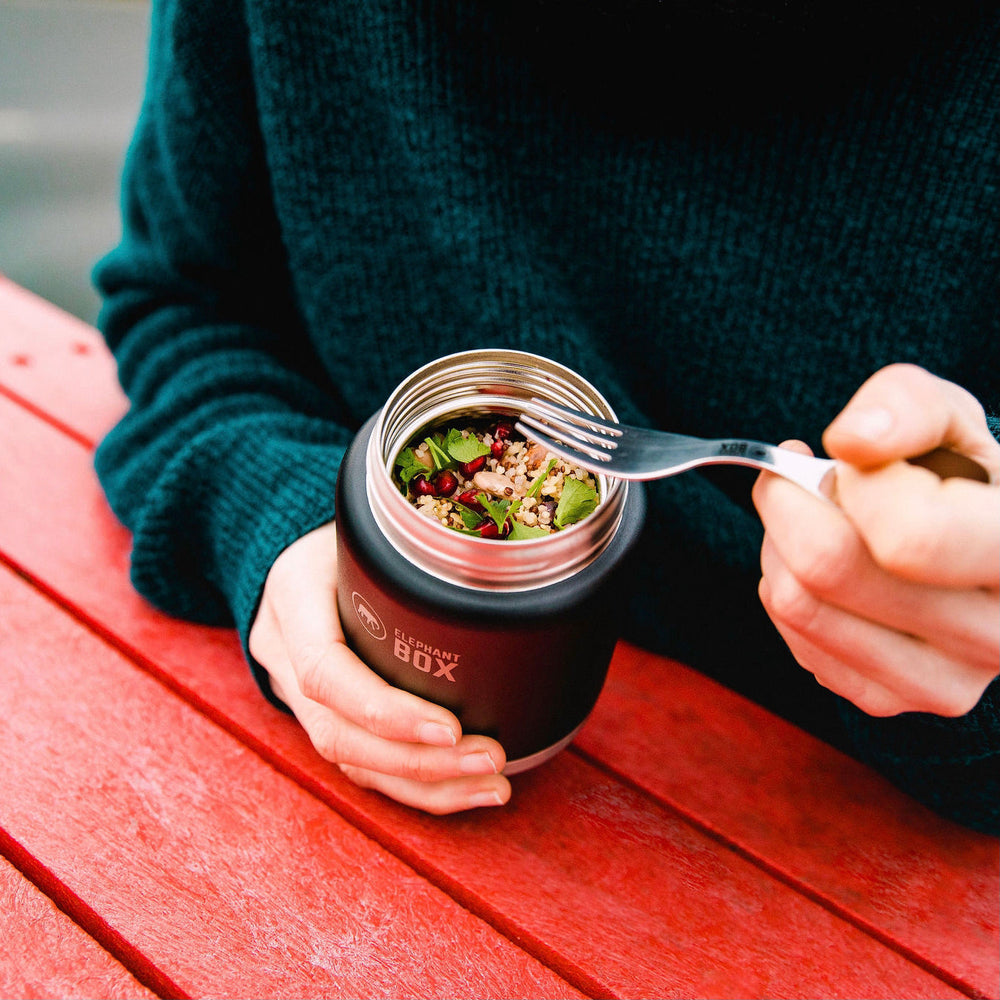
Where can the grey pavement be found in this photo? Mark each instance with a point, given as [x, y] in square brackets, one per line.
[71, 78]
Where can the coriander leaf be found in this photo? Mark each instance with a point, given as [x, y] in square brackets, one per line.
[470, 518]
[464, 449]
[536, 486]
[442, 460]
[520, 532]
[497, 509]
[577, 501]
[409, 465]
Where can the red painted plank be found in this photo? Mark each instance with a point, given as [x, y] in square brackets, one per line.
[615, 891]
[56, 363]
[45, 954]
[228, 878]
[58, 326]
[946, 917]
[821, 819]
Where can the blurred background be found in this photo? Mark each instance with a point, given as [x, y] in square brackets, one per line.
[71, 79]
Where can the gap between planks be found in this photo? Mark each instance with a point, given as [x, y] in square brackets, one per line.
[381, 834]
[782, 875]
[371, 826]
[150, 976]
[89, 921]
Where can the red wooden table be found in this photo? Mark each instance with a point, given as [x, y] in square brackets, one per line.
[166, 832]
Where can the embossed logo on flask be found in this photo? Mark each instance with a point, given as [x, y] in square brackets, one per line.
[367, 616]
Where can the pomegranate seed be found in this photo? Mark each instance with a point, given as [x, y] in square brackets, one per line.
[502, 431]
[445, 483]
[470, 499]
[469, 469]
[423, 487]
[498, 448]
[490, 530]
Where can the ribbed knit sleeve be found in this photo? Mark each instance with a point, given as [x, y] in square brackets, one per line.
[951, 765]
[322, 197]
[231, 445]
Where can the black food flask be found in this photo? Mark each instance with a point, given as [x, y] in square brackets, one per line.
[514, 637]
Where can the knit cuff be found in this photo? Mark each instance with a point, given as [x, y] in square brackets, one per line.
[951, 765]
[257, 489]
[296, 497]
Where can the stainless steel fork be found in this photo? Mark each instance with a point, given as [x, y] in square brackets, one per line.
[637, 453]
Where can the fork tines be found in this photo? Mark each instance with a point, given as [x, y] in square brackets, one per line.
[578, 435]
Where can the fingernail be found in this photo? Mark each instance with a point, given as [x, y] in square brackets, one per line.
[477, 763]
[485, 799]
[869, 424]
[436, 734]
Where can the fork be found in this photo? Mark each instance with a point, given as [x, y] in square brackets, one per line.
[626, 452]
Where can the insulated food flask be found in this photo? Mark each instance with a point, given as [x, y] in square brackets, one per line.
[514, 637]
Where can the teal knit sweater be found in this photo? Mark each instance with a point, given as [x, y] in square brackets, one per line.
[721, 228]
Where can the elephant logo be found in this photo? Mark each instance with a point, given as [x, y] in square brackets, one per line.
[366, 615]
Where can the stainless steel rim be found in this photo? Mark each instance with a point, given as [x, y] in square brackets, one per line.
[475, 383]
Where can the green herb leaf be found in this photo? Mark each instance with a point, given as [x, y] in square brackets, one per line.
[497, 509]
[470, 518]
[521, 532]
[442, 460]
[409, 466]
[536, 486]
[464, 449]
[577, 501]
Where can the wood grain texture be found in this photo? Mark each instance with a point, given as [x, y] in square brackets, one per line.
[228, 877]
[57, 364]
[820, 822]
[614, 891]
[45, 954]
[819, 818]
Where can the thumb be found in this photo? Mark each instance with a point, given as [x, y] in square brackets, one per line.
[903, 411]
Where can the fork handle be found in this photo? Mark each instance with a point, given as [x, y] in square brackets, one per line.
[811, 473]
[816, 474]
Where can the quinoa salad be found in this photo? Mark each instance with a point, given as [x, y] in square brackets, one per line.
[482, 479]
